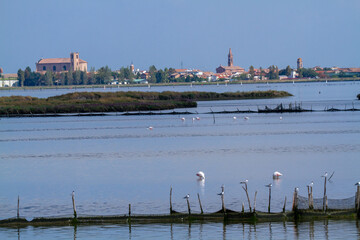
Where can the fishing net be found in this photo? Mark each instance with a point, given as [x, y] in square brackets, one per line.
[345, 203]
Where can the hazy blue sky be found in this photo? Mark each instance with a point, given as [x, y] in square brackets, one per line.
[165, 33]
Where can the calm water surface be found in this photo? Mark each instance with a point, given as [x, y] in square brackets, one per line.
[307, 230]
[115, 160]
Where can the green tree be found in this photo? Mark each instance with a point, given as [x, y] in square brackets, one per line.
[288, 71]
[21, 77]
[48, 78]
[83, 78]
[62, 78]
[77, 77]
[92, 77]
[251, 72]
[103, 75]
[273, 72]
[300, 72]
[160, 76]
[69, 78]
[308, 73]
[152, 76]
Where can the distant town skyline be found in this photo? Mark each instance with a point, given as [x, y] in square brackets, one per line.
[181, 33]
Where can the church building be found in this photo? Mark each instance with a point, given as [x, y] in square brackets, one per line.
[230, 68]
[61, 64]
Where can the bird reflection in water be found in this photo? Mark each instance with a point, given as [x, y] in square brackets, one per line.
[201, 185]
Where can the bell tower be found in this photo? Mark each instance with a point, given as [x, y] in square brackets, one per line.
[299, 63]
[74, 59]
[230, 58]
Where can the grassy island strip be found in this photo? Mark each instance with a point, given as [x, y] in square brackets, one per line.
[100, 102]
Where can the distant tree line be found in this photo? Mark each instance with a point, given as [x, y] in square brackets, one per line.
[103, 75]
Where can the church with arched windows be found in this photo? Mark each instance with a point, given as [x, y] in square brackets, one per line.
[62, 64]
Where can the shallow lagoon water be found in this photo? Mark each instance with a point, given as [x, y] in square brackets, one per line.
[115, 160]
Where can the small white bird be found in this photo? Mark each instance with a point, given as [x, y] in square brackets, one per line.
[277, 175]
[220, 194]
[297, 189]
[325, 175]
[201, 175]
[311, 184]
[357, 184]
[280, 118]
[197, 118]
[187, 196]
[182, 119]
[234, 118]
[246, 118]
[193, 119]
[73, 194]
[150, 128]
[269, 185]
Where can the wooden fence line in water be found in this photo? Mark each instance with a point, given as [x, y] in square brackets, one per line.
[221, 215]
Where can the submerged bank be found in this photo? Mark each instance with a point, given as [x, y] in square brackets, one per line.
[96, 102]
[229, 216]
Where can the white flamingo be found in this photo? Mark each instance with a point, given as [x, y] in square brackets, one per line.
[277, 174]
[201, 175]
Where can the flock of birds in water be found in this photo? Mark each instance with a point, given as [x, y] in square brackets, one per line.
[198, 119]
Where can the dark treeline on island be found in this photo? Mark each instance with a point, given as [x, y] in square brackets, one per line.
[96, 102]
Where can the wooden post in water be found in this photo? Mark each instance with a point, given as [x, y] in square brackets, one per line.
[129, 210]
[309, 198]
[247, 195]
[295, 202]
[255, 200]
[357, 199]
[201, 209]
[73, 202]
[18, 207]
[325, 198]
[269, 199]
[188, 204]
[242, 208]
[222, 200]
[171, 210]
[284, 208]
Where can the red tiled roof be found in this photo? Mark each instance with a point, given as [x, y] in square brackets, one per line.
[58, 60]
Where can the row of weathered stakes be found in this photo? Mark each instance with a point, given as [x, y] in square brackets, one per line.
[221, 215]
[294, 205]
